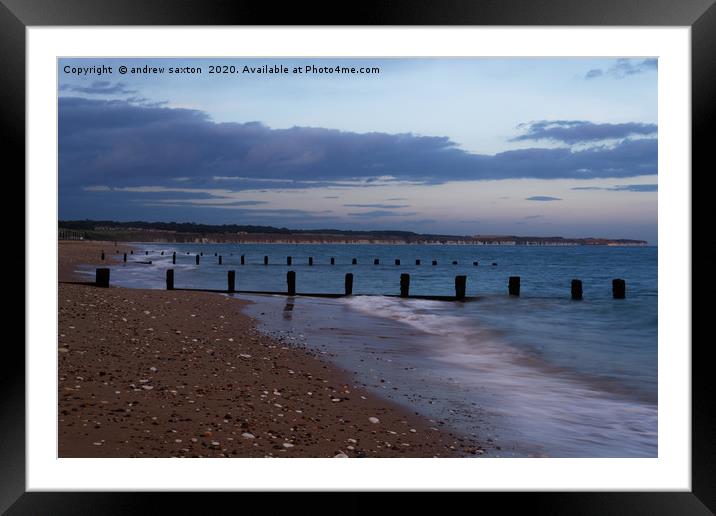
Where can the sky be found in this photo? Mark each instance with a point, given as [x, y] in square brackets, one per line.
[529, 147]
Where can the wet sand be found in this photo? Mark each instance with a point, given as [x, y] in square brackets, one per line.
[152, 373]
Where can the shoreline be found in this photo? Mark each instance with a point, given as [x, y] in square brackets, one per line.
[158, 373]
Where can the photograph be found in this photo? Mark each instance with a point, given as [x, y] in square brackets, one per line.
[358, 257]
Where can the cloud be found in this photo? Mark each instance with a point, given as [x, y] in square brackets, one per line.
[624, 68]
[621, 188]
[382, 213]
[386, 206]
[579, 131]
[544, 198]
[120, 144]
[530, 217]
[100, 88]
[210, 202]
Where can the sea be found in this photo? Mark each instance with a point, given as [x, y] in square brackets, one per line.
[539, 375]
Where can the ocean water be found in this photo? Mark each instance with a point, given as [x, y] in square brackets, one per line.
[535, 375]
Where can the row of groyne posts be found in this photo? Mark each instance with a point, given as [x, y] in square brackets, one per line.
[289, 259]
[513, 285]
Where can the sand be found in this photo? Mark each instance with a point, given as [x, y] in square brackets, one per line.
[75, 252]
[152, 373]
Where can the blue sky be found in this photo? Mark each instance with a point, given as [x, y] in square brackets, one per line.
[557, 146]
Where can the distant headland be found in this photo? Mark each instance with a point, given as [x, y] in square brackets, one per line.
[189, 232]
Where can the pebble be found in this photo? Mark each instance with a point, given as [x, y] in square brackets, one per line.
[247, 435]
[374, 420]
[341, 455]
[287, 445]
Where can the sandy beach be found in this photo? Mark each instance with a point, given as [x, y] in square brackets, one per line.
[152, 373]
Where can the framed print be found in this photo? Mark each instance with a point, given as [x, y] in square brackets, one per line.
[452, 244]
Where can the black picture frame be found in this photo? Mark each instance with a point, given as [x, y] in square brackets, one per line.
[700, 15]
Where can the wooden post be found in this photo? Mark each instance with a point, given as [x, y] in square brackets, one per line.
[475, 264]
[215, 254]
[376, 261]
[102, 255]
[435, 262]
[355, 261]
[618, 288]
[310, 260]
[197, 259]
[333, 261]
[265, 260]
[291, 280]
[454, 262]
[170, 279]
[146, 252]
[131, 252]
[514, 286]
[288, 260]
[163, 253]
[576, 289]
[220, 259]
[404, 285]
[201, 253]
[102, 278]
[349, 284]
[242, 259]
[174, 258]
[125, 257]
[397, 261]
[460, 287]
[231, 277]
[417, 262]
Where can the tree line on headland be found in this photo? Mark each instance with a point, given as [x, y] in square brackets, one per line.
[190, 232]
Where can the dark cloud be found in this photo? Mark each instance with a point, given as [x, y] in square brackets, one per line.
[624, 68]
[331, 197]
[99, 88]
[385, 206]
[115, 143]
[542, 198]
[621, 188]
[579, 131]
[177, 202]
[397, 199]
